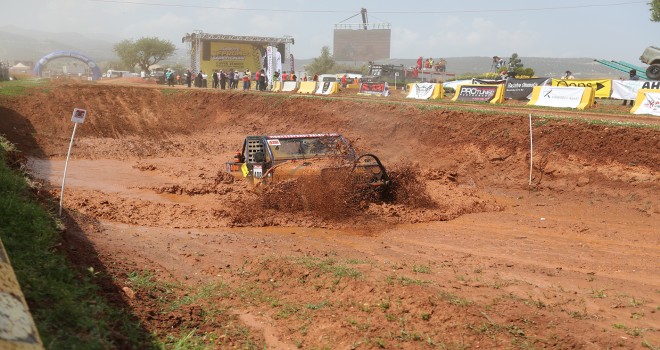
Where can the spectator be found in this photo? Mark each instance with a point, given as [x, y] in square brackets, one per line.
[231, 78]
[344, 81]
[304, 78]
[261, 82]
[188, 77]
[257, 76]
[633, 76]
[216, 79]
[568, 75]
[293, 76]
[223, 79]
[204, 80]
[246, 81]
[315, 78]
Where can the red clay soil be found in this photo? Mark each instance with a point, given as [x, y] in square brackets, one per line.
[468, 255]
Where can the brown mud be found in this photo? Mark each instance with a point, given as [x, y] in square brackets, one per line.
[465, 254]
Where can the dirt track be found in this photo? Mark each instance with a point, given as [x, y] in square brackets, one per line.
[570, 262]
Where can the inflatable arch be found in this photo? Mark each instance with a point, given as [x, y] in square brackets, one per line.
[96, 72]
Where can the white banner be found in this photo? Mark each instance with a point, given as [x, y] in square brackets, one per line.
[560, 96]
[421, 91]
[325, 88]
[650, 104]
[625, 89]
[289, 85]
[269, 59]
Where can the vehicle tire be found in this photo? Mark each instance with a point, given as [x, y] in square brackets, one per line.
[653, 72]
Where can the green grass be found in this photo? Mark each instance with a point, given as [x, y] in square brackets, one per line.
[64, 301]
[20, 87]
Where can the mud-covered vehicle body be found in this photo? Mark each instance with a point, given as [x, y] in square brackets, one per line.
[268, 159]
[651, 56]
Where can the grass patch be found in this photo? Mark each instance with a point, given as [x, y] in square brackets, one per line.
[20, 87]
[65, 302]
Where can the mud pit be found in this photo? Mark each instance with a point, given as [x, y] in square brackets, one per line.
[472, 256]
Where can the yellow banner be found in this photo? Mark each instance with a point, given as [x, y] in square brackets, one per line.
[233, 55]
[603, 87]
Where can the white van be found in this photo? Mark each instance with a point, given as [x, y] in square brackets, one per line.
[117, 74]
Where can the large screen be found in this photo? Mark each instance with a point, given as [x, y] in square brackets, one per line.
[236, 55]
[361, 45]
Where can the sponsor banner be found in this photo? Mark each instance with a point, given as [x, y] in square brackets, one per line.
[562, 96]
[326, 88]
[238, 56]
[289, 85]
[627, 89]
[421, 91]
[647, 102]
[603, 87]
[488, 81]
[479, 93]
[521, 89]
[269, 58]
[381, 89]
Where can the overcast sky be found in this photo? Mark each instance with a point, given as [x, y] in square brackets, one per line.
[609, 29]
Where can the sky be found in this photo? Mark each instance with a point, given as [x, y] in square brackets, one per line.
[607, 29]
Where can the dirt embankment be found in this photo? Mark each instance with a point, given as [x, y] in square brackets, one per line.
[470, 254]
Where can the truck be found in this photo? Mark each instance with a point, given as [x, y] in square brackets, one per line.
[267, 159]
[651, 56]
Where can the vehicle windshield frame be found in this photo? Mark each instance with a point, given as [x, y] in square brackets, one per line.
[292, 147]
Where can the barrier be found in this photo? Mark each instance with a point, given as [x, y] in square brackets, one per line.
[603, 87]
[647, 102]
[288, 86]
[306, 87]
[521, 89]
[479, 93]
[327, 88]
[563, 97]
[628, 89]
[277, 86]
[425, 91]
[17, 329]
[374, 89]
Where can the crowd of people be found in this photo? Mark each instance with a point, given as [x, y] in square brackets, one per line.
[228, 79]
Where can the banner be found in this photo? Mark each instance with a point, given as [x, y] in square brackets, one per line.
[521, 89]
[479, 93]
[425, 91]
[269, 60]
[289, 85]
[488, 81]
[603, 88]
[381, 89]
[327, 88]
[627, 89]
[647, 102]
[561, 96]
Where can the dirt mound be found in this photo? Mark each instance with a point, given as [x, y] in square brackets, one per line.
[467, 248]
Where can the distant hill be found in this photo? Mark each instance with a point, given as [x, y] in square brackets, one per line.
[18, 44]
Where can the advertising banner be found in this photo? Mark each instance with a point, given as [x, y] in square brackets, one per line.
[521, 89]
[603, 87]
[380, 89]
[627, 89]
[647, 102]
[479, 93]
[289, 85]
[269, 62]
[233, 55]
[421, 91]
[562, 96]
[327, 88]
[488, 81]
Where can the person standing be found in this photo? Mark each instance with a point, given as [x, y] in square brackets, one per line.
[257, 76]
[261, 82]
[246, 81]
[344, 81]
[188, 77]
[223, 79]
[632, 76]
[215, 79]
[231, 78]
[568, 75]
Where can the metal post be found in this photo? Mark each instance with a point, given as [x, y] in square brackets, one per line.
[66, 165]
[531, 149]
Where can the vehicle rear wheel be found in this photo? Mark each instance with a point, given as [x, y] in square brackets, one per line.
[653, 72]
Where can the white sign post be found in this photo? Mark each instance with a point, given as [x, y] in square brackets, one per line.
[78, 117]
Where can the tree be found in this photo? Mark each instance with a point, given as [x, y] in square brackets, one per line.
[145, 52]
[323, 63]
[515, 62]
[655, 10]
